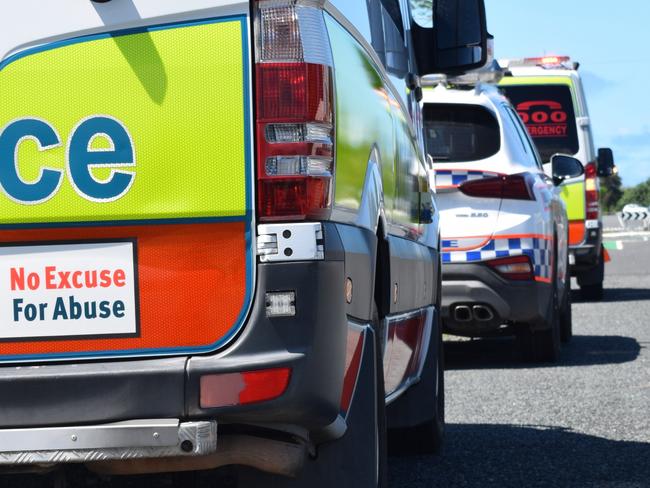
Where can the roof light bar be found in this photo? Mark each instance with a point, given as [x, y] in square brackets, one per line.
[548, 62]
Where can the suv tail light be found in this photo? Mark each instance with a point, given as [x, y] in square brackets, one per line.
[591, 192]
[513, 268]
[515, 187]
[294, 112]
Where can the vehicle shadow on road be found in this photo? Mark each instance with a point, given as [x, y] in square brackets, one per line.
[79, 477]
[503, 353]
[615, 295]
[482, 455]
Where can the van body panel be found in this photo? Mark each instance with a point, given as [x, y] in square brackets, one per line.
[31, 23]
[373, 120]
[363, 122]
[159, 174]
[177, 165]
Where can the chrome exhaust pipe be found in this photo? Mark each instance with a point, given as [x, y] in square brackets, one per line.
[462, 313]
[482, 313]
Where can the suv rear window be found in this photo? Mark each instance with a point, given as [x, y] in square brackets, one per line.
[458, 133]
[547, 111]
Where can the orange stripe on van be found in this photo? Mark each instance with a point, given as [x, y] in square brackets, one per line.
[576, 232]
[192, 280]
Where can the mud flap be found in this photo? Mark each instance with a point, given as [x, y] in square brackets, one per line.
[595, 275]
[417, 405]
[349, 462]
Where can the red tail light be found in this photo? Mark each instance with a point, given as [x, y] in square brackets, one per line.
[514, 187]
[591, 192]
[228, 389]
[294, 140]
[517, 268]
[294, 116]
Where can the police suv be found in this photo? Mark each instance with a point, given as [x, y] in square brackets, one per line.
[218, 245]
[504, 227]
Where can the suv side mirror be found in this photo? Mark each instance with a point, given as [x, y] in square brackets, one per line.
[606, 166]
[565, 167]
[457, 40]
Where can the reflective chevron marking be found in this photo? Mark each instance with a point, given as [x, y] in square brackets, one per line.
[639, 215]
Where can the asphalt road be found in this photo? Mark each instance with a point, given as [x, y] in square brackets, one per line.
[584, 422]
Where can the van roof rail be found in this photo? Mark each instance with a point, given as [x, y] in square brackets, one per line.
[488, 75]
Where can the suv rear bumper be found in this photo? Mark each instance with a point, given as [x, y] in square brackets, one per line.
[509, 301]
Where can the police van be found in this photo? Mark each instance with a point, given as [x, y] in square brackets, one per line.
[503, 225]
[547, 93]
[218, 245]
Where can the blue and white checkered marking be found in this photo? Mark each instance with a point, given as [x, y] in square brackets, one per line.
[537, 249]
[450, 178]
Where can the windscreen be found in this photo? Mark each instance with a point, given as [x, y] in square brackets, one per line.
[547, 111]
[459, 133]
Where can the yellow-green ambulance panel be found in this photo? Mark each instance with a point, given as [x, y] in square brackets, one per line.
[573, 195]
[134, 125]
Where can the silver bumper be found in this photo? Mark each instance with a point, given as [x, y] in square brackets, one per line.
[134, 439]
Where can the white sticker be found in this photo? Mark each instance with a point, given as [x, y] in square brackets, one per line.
[68, 290]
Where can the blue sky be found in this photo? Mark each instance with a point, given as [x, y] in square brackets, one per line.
[611, 40]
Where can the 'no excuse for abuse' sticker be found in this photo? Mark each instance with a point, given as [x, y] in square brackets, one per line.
[68, 290]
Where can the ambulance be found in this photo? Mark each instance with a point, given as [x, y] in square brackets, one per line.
[218, 245]
[547, 93]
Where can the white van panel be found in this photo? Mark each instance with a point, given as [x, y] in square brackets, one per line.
[28, 23]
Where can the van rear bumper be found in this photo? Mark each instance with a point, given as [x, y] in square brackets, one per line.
[312, 344]
[510, 301]
[587, 254]
[139, 439]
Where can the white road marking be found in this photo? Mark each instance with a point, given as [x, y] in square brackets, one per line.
[637, 233]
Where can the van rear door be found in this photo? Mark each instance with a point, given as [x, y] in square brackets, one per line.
[125, 169]
[549, 111]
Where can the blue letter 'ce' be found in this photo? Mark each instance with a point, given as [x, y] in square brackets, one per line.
[81, 159]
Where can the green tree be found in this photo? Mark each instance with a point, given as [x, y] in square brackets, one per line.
[639, 194]
[611, 192]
